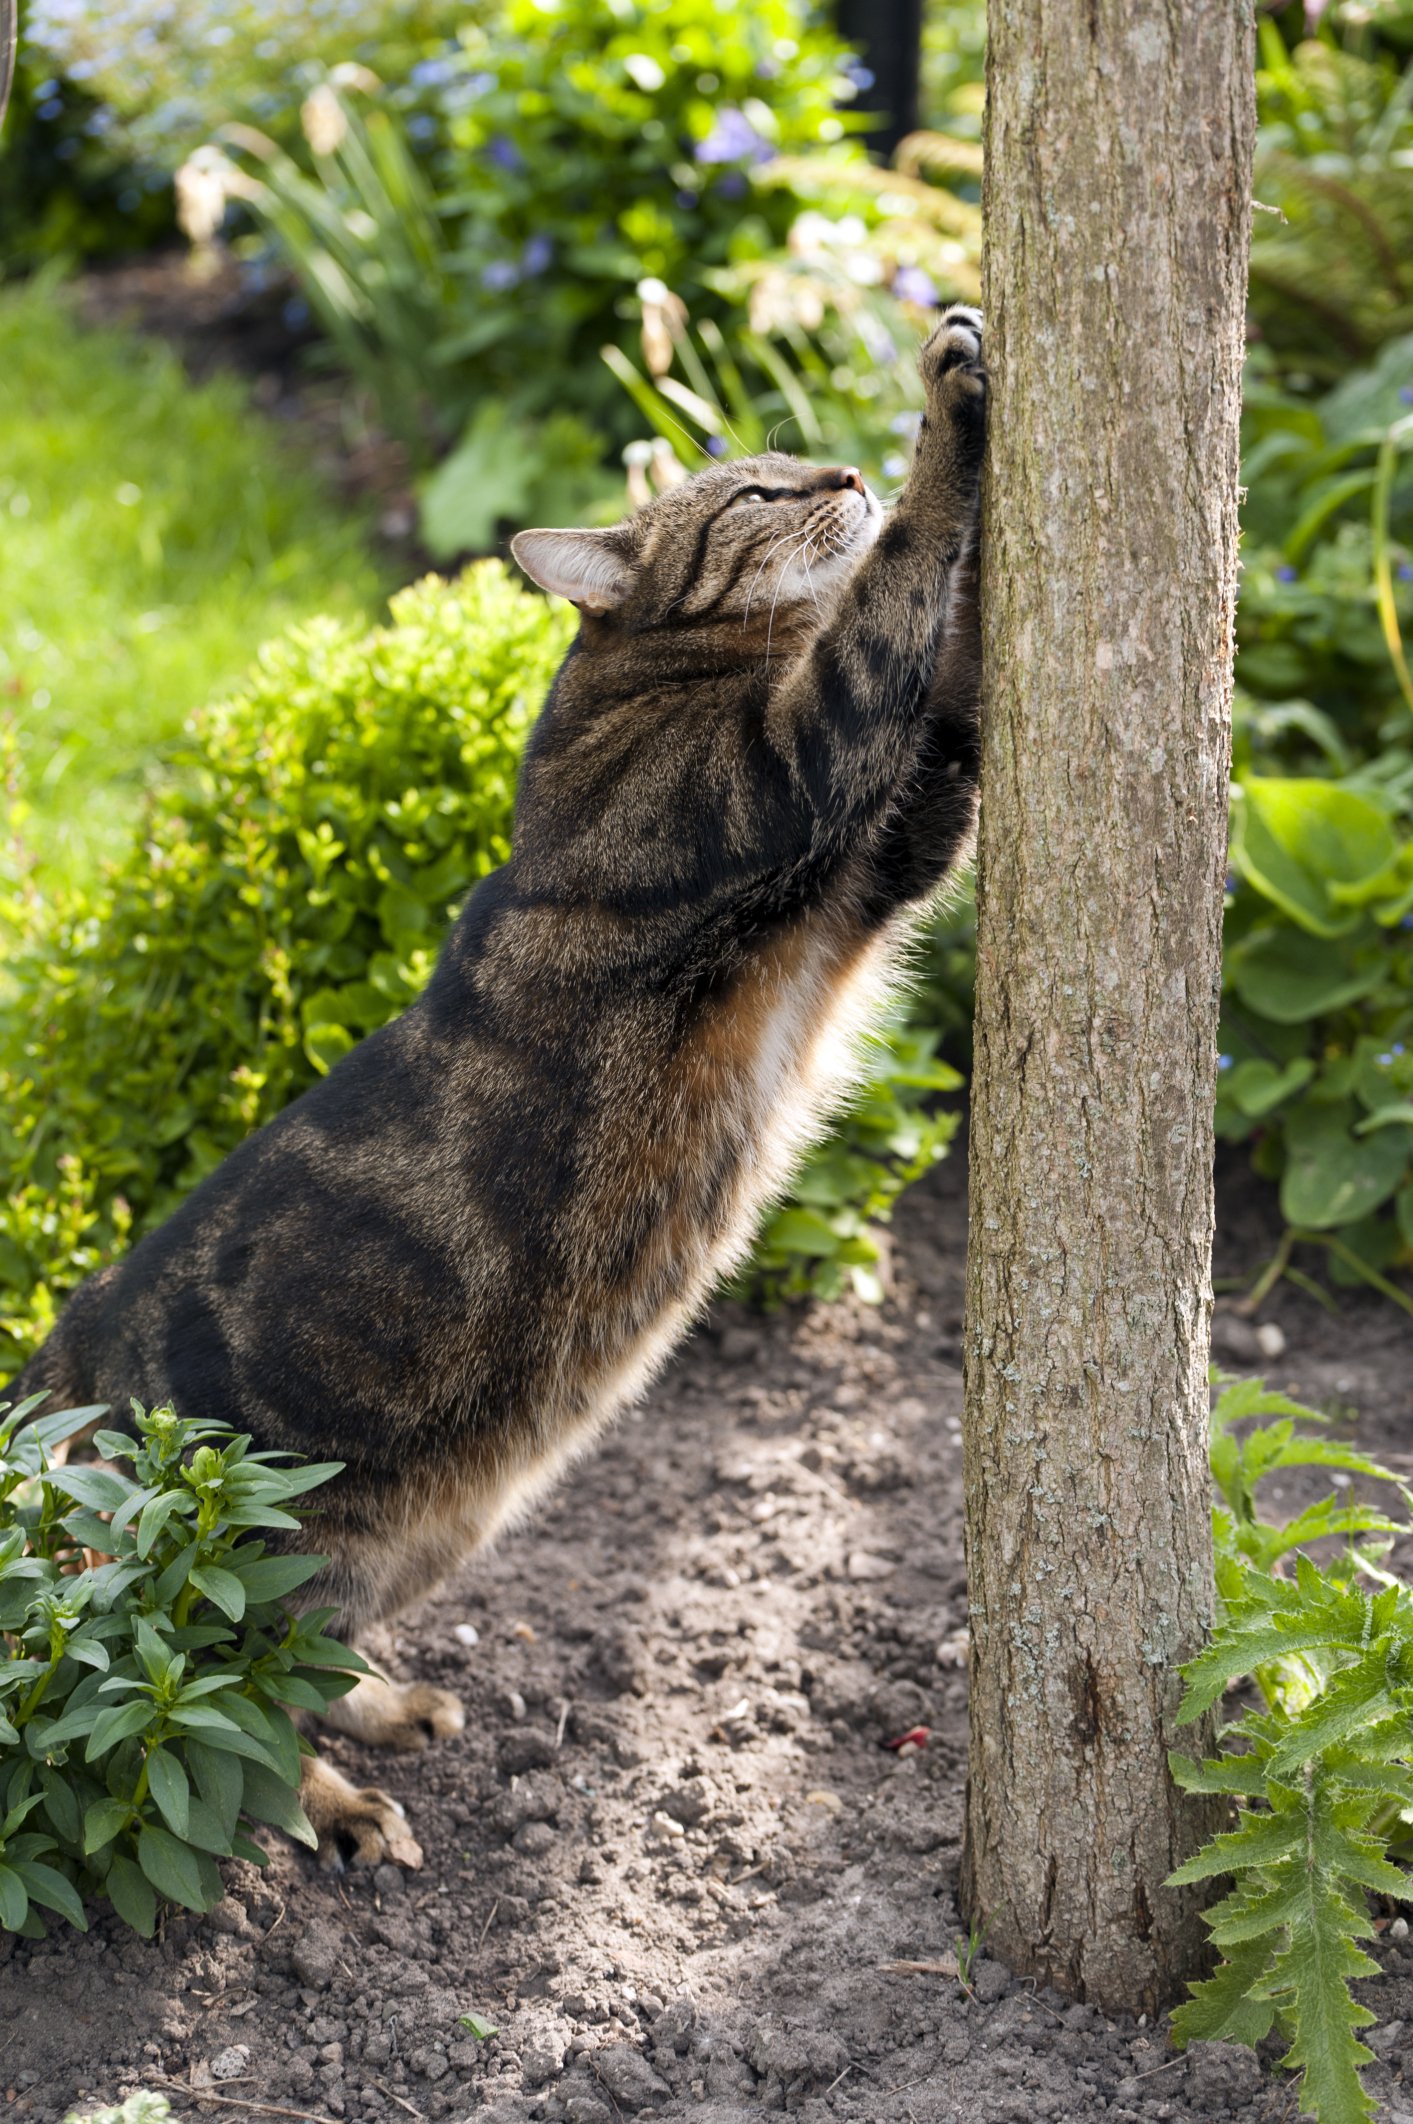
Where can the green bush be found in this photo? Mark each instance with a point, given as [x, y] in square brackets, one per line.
[153, 533]
[559, 154]
[148, 1664]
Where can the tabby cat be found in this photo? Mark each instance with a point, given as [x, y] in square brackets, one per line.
[450, 1262]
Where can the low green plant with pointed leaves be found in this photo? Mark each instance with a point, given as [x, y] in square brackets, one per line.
[148, 1663]
[1318, 1764]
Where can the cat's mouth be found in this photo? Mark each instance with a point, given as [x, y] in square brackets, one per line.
[837, 533]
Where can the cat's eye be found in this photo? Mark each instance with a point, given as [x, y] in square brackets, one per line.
[761, 494]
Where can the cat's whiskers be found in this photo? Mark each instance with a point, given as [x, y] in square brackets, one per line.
[773, 547]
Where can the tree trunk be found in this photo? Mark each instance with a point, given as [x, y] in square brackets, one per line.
[1117, 203]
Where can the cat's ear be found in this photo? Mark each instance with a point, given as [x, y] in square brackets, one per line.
[590, 568]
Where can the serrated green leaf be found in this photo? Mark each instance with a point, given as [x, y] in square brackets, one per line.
[1221, 2009]
[1262, 1840]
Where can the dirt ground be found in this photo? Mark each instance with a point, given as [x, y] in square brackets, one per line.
[670, 1860]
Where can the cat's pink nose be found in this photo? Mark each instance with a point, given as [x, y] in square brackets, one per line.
[852, 477]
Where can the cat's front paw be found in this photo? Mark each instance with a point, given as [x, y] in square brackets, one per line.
[357, 1825]
[951, 362]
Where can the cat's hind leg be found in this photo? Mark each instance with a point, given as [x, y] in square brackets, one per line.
[406, 1716]
[357, 1825]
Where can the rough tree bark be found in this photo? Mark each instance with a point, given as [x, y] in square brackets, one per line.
[1117, 204]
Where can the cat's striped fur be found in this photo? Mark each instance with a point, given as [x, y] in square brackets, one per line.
[450, 1262]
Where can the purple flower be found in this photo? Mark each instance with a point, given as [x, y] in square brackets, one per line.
[536, 256]
[733, 139]
[716, 446]
[861, 76]
[431, 73]
[1405, 571]
[1405, 392]
[1224, 1061]
[499, 275]
[505, 154]
[732, 185]
[686, 199]
[1231, 881]
[1285, 573]
[911, 284]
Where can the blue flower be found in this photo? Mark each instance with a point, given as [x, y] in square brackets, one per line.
[536, 256]
[732, 185]
[860, 75]
[52, 107]
[1285, 573]
[1405, 392]
[499, 275]
[421, 126]
[733, 139]
[1405, 571]
[911, 284]
[716, 446]
[431, 73]
[296, 313]
[1224, 1061]
[505, 154]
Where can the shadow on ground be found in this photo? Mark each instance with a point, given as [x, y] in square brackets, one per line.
[670, 1860]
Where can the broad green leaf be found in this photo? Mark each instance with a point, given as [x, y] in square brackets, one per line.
[167, 1782]
[268, 1798]
[171, 1867]
[14, 1899]
[103, 1821]
[222, 1587]
[131, 1896]
[1297, 839]
[1334, 1177]
[48, 1886]
[118, 1724]
[1285, 976]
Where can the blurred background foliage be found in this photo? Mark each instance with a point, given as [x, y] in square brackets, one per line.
[563, 252]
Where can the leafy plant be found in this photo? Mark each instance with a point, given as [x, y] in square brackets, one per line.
[1319, 1765]
[148, 1663]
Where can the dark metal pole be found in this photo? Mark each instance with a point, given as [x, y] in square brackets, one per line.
[888, 34]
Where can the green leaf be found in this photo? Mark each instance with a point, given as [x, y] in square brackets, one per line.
[222, 1587]
[267, 1798]
[103, 1821]
[274, 1577]
[1262, 1840]
[167, 1782]
[480, 2031]
[219, 1779]
[1297, 840]
[48, 1886]
[1334, 1177]
[131, 1896]
[14, 1899]
[1282, 975]
[1221, 2009]
[118, 1724]
[171, 1867]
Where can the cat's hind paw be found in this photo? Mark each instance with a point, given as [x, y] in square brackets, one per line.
[357, 1825]
[407, 1716]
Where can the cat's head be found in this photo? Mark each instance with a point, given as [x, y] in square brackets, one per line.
[741, 541]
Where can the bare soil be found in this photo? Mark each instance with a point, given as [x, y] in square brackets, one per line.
[671, 1860]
